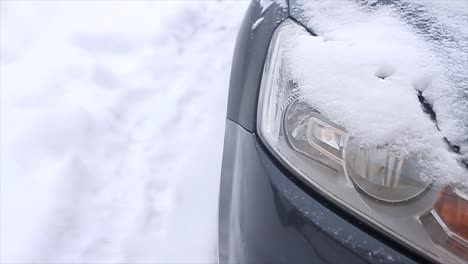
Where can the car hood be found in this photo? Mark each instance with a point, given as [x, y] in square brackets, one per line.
[439, 36]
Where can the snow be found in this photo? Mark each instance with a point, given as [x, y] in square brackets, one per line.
[257, 23]
[363, 72]
[265, 4]
[111, 129]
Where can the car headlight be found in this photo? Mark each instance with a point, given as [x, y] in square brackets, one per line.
[387, 189]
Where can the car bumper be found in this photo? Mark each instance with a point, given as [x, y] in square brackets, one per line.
[266, 215]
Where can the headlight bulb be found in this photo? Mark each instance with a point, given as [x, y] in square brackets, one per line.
[382, 174]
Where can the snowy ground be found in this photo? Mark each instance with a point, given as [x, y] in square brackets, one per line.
[112, 123]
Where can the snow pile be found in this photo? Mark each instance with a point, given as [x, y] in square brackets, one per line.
[112, 125]
[363, 72]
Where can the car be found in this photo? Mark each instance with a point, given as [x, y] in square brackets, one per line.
[280, 198]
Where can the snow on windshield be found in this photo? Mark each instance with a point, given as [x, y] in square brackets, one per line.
[364, 71]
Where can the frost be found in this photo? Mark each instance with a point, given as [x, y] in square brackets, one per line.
[363, 72]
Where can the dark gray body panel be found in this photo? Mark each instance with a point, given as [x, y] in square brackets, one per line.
[267, 216]
[247, 66]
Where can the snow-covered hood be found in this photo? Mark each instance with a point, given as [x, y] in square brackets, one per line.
[384, 68]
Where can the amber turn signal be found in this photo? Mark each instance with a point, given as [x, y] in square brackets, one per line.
[453, 210]
[447, 222]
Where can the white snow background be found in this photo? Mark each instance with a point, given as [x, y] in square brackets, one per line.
[112, 124]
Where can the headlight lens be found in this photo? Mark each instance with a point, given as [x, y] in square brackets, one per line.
[383, 175]
[387, 189]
